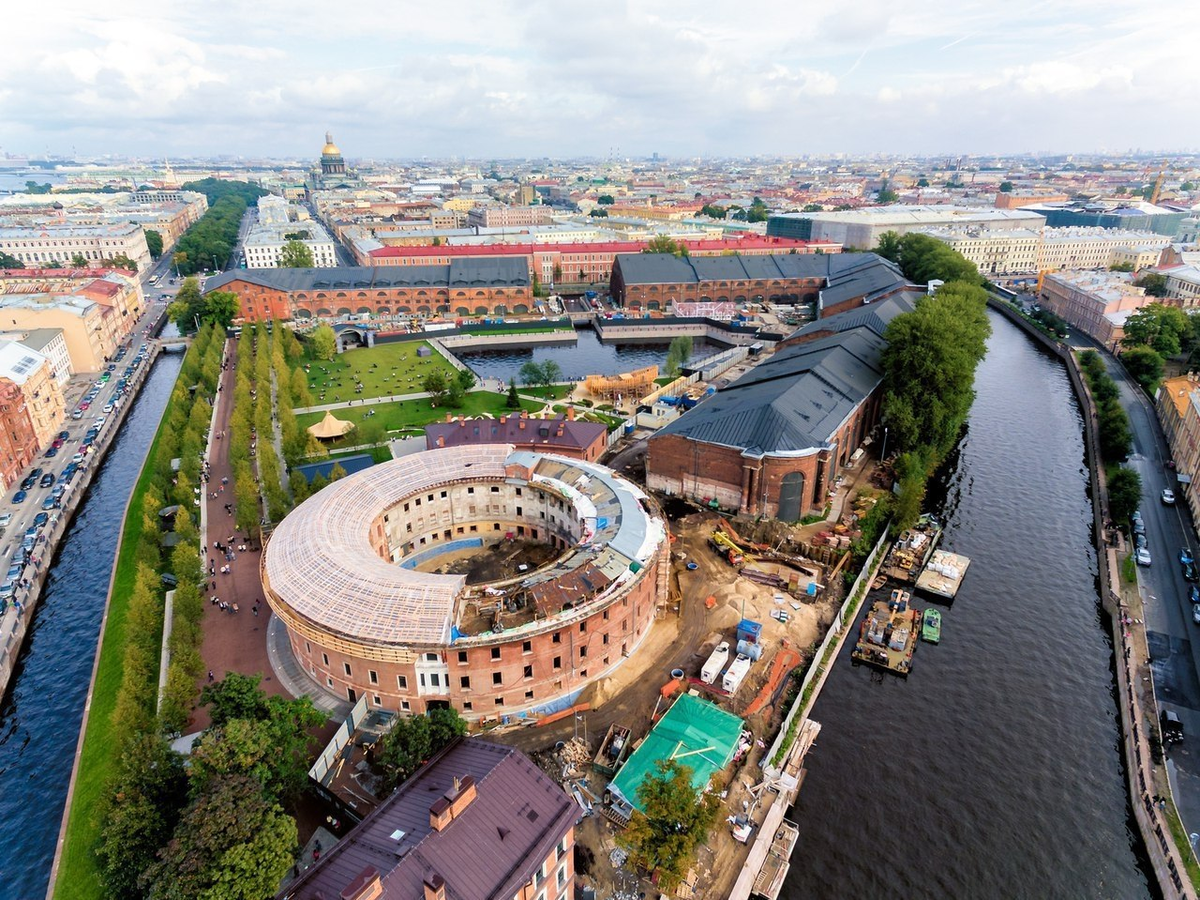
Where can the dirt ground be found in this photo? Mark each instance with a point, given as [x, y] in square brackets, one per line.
[682, 637]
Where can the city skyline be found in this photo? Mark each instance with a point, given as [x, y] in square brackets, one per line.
[536, 79]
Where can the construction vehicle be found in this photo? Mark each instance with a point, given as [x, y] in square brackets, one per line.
[725, 545]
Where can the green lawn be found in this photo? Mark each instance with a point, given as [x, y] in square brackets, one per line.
[410, 415]
[78, 877]
[521, 329]
[554, 392]
[384, 369]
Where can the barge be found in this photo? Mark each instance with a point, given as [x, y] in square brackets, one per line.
[943, 574]
[912, 551]
[888, 635]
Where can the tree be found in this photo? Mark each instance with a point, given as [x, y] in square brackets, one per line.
[662, 243]
[551, 372]
[466, 379]
[1006, 187]
[1115, 436]
[120, 261]
[1161, 327]
[605, 200]
[532, 373]
[455, 395]
[1145, 365]
[513, 401]
[232, 843]
[10, 262]
[813, 207]
[886, 194]
[758, 211]
[413, 739]
[1154, 283]
[923, 258]
[188, 306]
[324, 342]
[1187, 186]
[538, 289]
[1124, 493]
[1121, 267]
[672, 823]
[295, 255]
[337, 473]
[598, 213]
[154, 243]
[434, 384]
[922, 182]
[299, 485]
[79, 261]
[713, 211]
[678, 353]
[221, 308]
[300, 394]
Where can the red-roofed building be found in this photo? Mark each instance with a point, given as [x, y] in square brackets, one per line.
[563, 435]
[585, 262]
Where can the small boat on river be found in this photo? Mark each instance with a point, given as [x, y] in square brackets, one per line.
[931, 626]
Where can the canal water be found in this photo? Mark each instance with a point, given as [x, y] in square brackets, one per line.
[585, 356]
[994, 770]
[40, 717]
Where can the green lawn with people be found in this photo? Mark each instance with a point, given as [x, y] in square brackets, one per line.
[383, 370]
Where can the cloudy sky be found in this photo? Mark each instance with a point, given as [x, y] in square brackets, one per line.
[559, 77]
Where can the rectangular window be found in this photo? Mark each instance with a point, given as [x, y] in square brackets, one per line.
[556, 638]
[604, 639]
[605, 615]
[402, 682]
[529, 695]
[375, 699]
[346, 666]
[527, 646]
[468, 705]
[583, 652]
[404, 705]
[307, 647]
[495, 653]
[582, 627]
[325, 659]
[462, 656]
[470, 490]
[558, 662]
[497, 678]
[464, 682]
[499, 701]
[443, 495]
[373, 675]
[528, 673]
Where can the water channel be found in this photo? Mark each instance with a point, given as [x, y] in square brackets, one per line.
[584, 356]
[41, 715]
[994, 770]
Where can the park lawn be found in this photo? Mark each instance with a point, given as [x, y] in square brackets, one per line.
[410, 371]
[521, 329]
[409, 415]
[554, 392]
[78, 877]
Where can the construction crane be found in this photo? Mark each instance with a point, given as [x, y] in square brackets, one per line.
[724, 545]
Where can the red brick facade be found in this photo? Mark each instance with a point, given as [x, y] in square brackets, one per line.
[678, 465]
[661, 296]
[18, 442]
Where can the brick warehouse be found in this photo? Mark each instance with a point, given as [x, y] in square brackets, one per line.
[349, 573]
[834, 282]
[772, 442]
[463, 287]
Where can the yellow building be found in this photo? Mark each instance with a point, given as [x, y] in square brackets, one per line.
[33, 374]
[1179, 413]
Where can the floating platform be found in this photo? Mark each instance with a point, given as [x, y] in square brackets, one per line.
[944, 574]
[769, 881]
[912, 551]
[888, 635]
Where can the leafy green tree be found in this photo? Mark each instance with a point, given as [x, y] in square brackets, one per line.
[678, 353]
[413, 739]
[1124, 493]
[923, 258]
[1158, 326]
[922, 182]
[232, 843]
[299, 485]
[1145, 365]
[598, 213]
[300, 393]
[1187, 186]
[605, 200]
[247, 514]
[539, 290]
[889, 246]
[324, 343]
[1116, 439]
[1006, 187]
[514, 400]
[1154, 283]
[455, 395]
[221, 307]
[466, 379]
[886, 194]
[79, 261]
[713, 211]
[154, 243]
[662, 243]
[434, 384]
[532, 373]
[813, 207]
[337, 473]
[675, 822]
[235, 696]
[295, 255]
[188, 306]
[120, 261]
[551, 373]
[10, 262]
[1121, 267]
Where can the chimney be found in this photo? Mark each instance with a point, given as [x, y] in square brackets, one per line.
[521, 423]
[503, 419]
[441, 441]
[462, 423]
[439, 814]
[570, 414]
[366, 886]
[449, 418]
[560, 431]
[461, 795]
[435, 887]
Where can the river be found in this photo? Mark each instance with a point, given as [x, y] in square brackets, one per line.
[40, 717]
[994, 770]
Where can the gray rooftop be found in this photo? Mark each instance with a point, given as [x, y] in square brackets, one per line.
[874, 316]
[489, 850]
[38, 338]
[460, 272]
[793, 402]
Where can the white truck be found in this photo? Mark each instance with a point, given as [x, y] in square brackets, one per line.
[716, 662]
[736, 674]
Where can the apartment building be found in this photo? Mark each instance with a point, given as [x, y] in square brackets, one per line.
[1002, 251]
[47, 245]
[1183, 284]
[32, 373]
[18, 442]
[861, 228]
[1097, 303]
[1096, 248]
[265, 242]
[508, 216]
[1178, 407]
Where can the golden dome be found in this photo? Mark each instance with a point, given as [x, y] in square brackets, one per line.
[331, 149]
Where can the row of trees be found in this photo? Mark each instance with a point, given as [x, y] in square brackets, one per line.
[541, 374]
[1154, 333]
[448, 390]
[1116, 438]
[209, 243]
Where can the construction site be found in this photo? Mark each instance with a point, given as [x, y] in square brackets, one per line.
[749, 604]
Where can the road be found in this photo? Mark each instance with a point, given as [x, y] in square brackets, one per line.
[1173, 638]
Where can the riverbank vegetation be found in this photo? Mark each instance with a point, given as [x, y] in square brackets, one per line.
[1115, 436]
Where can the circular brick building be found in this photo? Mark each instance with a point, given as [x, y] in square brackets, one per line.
[349, 573]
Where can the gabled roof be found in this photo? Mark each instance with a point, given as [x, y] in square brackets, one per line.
[490, 849]
[468, 271]
[874, 316]
[792, 403]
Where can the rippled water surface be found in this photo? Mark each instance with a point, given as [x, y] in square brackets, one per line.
[994, 770]
[40, 716]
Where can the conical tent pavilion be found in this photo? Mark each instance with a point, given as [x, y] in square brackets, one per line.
[330, 427]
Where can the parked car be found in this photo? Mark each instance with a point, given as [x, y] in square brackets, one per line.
[19, 497]
[1194, 594]
[1142, 556]
[14, 572]
[41, 519]
[1185, 556]
[1189, 572]
[51, 453]
[51, 502]
[1196, 614]
[63, 435]
[1168, 497]
[5, 519]
[1139, 542]
[47, 480]
[1172, 728]
[1139, 527]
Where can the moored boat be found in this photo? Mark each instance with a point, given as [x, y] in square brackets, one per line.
[931, 626]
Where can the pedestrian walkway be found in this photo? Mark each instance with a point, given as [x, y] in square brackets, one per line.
[292, 676]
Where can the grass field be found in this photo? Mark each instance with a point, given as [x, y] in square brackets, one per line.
[78, 877]
[384, 369]
[410, 415]
[554, 392]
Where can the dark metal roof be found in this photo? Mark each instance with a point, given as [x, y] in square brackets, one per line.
[874, 316]
[463, 272]
[794, 401]
[490, 849]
